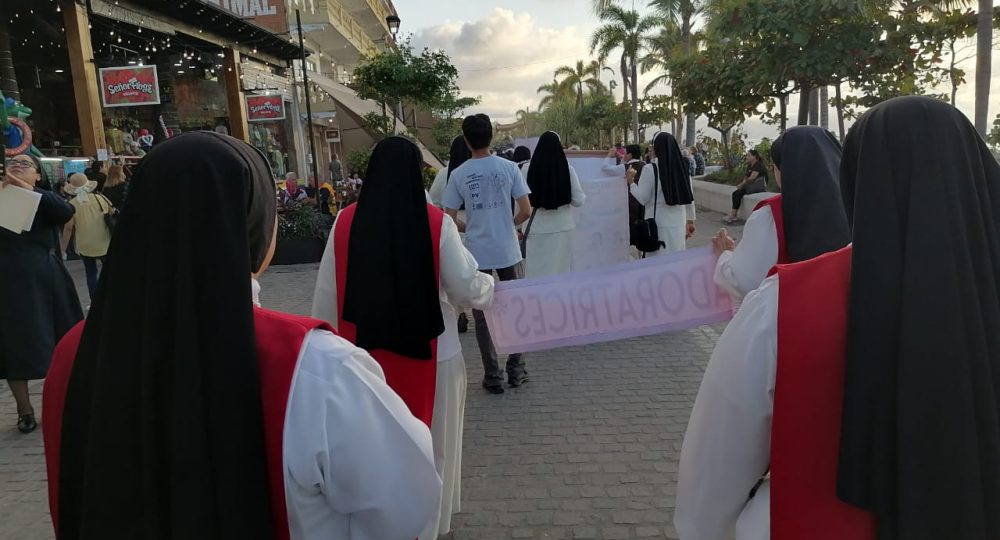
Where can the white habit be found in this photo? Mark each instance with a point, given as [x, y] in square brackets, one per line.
[671, 220]
[743, 270]
[358, 465]
[461, 284]
[727, 446]
[549, 248]
[436, 193]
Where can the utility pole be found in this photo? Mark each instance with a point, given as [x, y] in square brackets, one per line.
[309, 113]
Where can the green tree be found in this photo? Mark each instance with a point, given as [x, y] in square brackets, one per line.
[555, 92]
[661, 49]
[812, 44]
[683, 14]
[716, 84]
[625, 30]
[581, 75]
[400, 75]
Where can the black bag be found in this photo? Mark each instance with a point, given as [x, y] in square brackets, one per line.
[645, 235]
[110, 216]
[527, 231]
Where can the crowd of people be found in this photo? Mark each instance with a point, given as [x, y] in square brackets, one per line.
[853, 396]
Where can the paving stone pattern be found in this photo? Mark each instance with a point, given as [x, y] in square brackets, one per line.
[587, 450]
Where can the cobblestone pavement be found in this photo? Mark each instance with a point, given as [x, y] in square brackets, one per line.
[587, 450]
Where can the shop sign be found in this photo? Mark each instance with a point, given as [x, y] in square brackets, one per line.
[129, 86]
[265, 108]
[332, 135]
[246, 8]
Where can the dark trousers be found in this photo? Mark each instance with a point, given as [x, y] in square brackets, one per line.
[749, 190]
[491, 368]
[90, 266]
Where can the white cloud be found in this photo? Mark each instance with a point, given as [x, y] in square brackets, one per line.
[505, 56]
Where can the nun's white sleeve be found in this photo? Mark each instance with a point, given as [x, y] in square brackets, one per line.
[437, 187]
[611, 167]
[691, 209]
[576, 189]
[743, 270]
[461, 279]
[325, 295]
[643, 190]
[728, 441]
[359, 465]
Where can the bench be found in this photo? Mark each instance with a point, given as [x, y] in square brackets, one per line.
[719, 197]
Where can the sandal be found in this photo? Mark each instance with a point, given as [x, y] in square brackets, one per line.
[26, 422]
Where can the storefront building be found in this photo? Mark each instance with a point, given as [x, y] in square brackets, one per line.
[109, 79]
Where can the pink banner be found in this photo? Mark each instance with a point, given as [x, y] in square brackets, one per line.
[641, 298]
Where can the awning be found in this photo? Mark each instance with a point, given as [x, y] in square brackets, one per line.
[346, 98]
[200, 16]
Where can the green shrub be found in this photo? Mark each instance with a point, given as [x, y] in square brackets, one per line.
[300, 221]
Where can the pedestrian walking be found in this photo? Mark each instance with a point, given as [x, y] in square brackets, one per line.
[88, 226]
[487, 186]
[116, 188]
[38, 301]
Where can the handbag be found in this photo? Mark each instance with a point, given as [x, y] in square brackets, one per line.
[110, 216]
[645, 235]
[527, 231]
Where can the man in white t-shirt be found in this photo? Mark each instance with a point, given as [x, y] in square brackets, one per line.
[487, 185]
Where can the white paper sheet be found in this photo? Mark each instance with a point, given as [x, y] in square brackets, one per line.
[18, 208]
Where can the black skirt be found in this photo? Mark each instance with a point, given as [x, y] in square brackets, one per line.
[38, 303]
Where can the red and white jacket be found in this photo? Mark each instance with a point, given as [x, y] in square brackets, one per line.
[346, 459]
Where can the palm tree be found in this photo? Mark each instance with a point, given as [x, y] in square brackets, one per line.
[662, 48]
[984, 58]
[625, 30]
[581, 75]
[683, 14]
[556, 91]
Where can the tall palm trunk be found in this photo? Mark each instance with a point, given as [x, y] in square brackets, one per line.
[8, 78]
[783, 108]
[691, 119]
[984, 57]
[635, 100]
[625, 89]
[824, 107]
[806, 90]
[814, 107]
[840, 112]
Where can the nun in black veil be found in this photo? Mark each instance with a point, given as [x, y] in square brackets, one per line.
[805, 221]
[866, 380]
[555, 191]
[178, 410]
[458, 154]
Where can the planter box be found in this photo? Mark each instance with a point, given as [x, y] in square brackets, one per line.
[298, 251]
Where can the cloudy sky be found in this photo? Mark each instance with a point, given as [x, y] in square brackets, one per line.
[505, 51]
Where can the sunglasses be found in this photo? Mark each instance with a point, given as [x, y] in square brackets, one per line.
[21, 164]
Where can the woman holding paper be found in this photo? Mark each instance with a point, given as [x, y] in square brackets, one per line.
[555, 190]
[38, 301]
